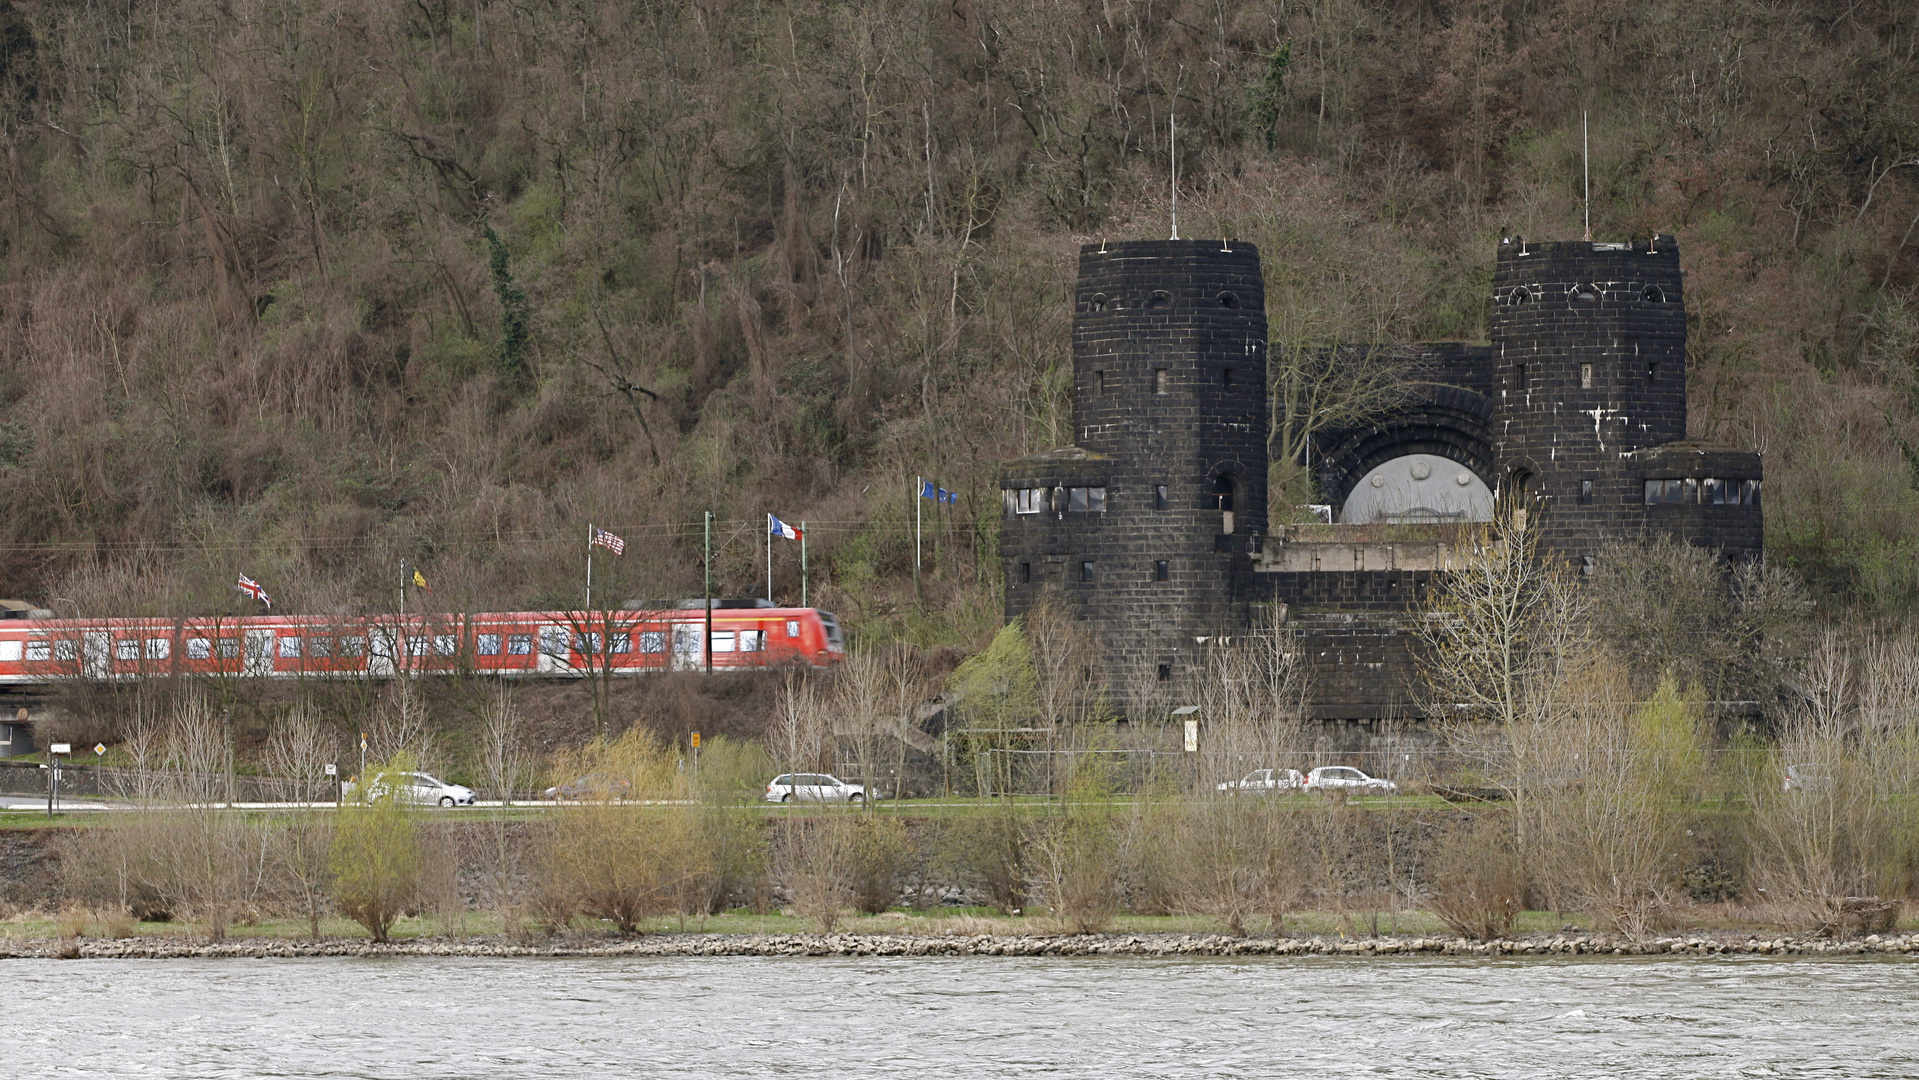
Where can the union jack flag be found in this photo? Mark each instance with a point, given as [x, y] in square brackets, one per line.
[602, 538]
[254, 589]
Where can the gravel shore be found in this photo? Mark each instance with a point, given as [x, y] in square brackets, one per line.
[693, 944]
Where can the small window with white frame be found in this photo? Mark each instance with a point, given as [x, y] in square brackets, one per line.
[1030, 501]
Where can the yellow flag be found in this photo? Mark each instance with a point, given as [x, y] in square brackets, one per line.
[420, 580]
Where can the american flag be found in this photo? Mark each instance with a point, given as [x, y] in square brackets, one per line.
[602, 538]
[253, 588]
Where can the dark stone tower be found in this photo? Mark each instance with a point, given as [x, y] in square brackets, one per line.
[1162, 499]
[1589, 348]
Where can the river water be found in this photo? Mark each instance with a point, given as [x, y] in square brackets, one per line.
[960, 1018]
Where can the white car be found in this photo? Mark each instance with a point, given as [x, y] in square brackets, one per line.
[1263, 781]
[419, 788]
[814, 787]
[1346, 778]
[1810, 776]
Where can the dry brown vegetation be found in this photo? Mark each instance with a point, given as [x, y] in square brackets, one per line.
[308, 289]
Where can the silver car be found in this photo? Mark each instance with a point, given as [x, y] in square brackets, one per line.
[420, 788]
[1265, 781]
[1346, 778]
[814, 787]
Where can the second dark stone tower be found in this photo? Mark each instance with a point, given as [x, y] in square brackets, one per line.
[1163, 495]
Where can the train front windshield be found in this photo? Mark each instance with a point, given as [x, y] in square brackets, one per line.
[831, 622]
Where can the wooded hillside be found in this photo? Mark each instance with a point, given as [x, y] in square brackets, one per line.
[304, 288]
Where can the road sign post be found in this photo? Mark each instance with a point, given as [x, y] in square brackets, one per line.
[54, 753]
[696, 755]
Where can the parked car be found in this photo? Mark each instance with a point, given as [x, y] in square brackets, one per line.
[1810, 776]
[590, 786]
[420, 788]
[814, 787]
[1264, 781]
[1346, 778]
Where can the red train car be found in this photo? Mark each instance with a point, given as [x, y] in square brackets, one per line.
[508, 644]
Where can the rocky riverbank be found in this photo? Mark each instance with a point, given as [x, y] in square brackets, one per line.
[677, 944]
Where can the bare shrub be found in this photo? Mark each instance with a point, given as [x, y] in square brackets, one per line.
[614, 858]
[988, 852]
[374, 859]
[881, 854]
[1234, 858]
[815, 859]
[1473, 875]
[1838, 850]
[299, 846]
[1076, 847]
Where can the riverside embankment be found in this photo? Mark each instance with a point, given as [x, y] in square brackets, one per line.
[1014, 945]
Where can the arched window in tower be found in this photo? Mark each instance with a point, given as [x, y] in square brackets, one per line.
[1160, 299]
[1653, 294]
[1228, 300]
[1223, 492]
[1519, 295]
[1585, 294]
[1099, 301]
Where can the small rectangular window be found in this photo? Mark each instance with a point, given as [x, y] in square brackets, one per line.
[289, 648]
[519, 644]
[1166, 673]
[1713, 492]
[65, 649]
[1086, 571]
[41, 650]
[229, 648]
[1096, 500]
[1519, 376]
[446, 644]
[1587, 565]
[792, 628]
[159, 648]
[1160, 500]
[1030, 501]
[1160, 382]
[488, 645]
[1652, 374]
[1225, 376]
[722, 641]
[1076, 499]
[1585, 491]
[1748, 493]
[1099, 383]
[622, 643]
[199, 648]
[1160, 570]
[553, 641]
[752, 641]
[1025, 573]
[1670, 492]
[1585, 376]
[320, 646]
[126, 649]
[418, 645]
[353, 645]
[654, 641]
[587, 644]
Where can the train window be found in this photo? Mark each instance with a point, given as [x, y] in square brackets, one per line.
[587, 644]
[654, 641]
[752, 640]
[229, 648]
[622, 643]
[159, 648]
[792, 628]
[65, 650]
[39, 650]
[199, 648]
[353, 646]
[289, 648]
[552, 641]
[446, 644]
[320, 646]
[722, 641]
[9, 650]
[417, 645]
[126, 649]
[519, 644]
[489, 645]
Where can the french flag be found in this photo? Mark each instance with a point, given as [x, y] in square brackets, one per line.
[776, 527]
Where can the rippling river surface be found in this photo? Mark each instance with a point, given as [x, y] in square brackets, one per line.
[959, 1018]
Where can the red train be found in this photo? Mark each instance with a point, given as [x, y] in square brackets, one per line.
[518, 643]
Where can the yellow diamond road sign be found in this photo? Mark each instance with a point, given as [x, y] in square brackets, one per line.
[99, 748]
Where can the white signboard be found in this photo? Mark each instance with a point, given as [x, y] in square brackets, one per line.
[61, 748]
[332, 769]
[1192, 735]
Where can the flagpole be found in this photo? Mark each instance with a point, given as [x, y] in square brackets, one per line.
[709, 593]
[803, 598]
[919, 490]
[403, 592]
[769, 557]
[589, 566]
